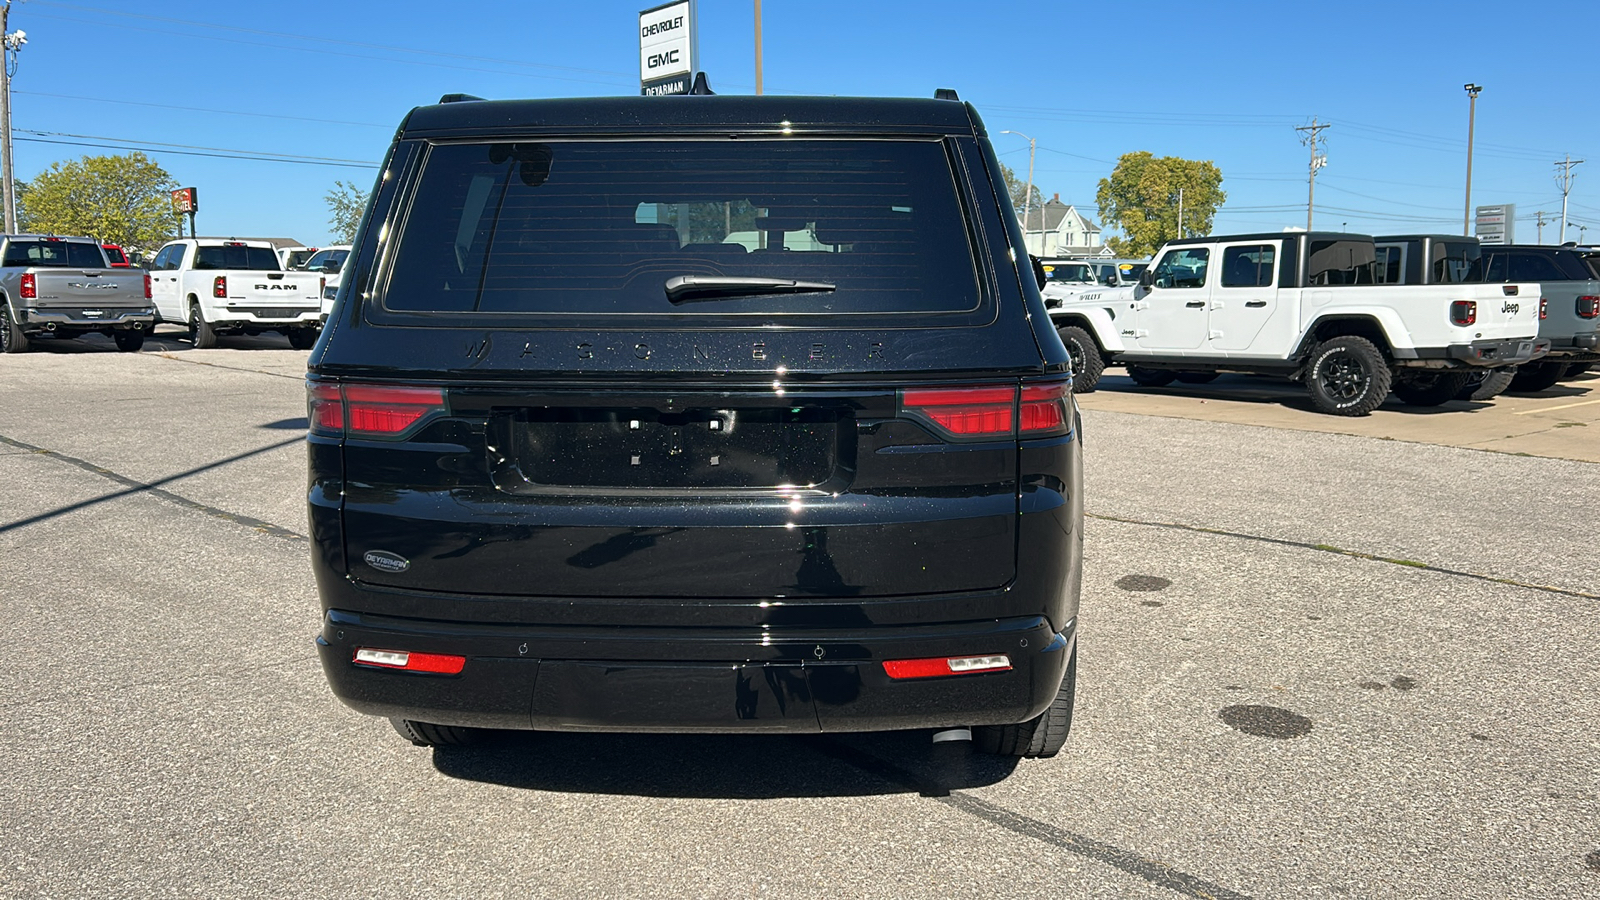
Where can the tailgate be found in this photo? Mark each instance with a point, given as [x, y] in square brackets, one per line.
[293, 289]
[1507, 311]
[821, 492]
[89, 288]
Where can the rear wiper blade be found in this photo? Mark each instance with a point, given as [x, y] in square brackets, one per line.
[688, 288]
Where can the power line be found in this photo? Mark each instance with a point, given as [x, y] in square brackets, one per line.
[115, 144]
[223, 112]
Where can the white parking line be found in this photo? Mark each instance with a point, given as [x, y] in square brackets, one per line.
[1524, 412]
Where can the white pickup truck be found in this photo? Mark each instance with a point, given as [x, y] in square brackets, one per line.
[234, 287]
[1305, 305]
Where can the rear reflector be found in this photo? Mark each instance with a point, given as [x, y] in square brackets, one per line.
[437, 663]
[941, 666]
[370, 410]
[990, 411]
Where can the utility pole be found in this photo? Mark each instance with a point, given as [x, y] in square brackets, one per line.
[1317, 162]
[758, 48]
[1027, 196]
[8, 67]
[1564, 179]
[1538, 224]
[1472, 115]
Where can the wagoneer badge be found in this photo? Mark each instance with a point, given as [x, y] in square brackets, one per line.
[384, 561]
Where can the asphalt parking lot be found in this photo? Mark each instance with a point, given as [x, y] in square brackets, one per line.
[1312, 664]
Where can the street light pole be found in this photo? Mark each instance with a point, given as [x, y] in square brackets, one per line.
[758, 48]
[1027, 196]
[1472, 116]
[12, 44]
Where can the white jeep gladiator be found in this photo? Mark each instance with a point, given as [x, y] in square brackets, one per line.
[1305, 305]
[234, 287]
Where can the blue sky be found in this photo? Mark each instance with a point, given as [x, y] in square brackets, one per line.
[1226, 82]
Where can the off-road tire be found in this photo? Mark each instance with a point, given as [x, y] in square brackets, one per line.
[1573, 370]
[1040, 737]
[1150, 377]
[200, 331]
[302, 338]
[1487, 385]
[1195, 377]
[128, 341]
[1430, 387]
[426, 734]
[1087, 363]
[12, 340]
[1347, 376]
[1535, 377]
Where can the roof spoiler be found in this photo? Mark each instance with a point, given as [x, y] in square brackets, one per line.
[458, 98]
[945, 94]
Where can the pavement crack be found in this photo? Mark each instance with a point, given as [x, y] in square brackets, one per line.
[153, 489]
[1354, 554]
[227, 673]
[1153, 871]
[167, 355]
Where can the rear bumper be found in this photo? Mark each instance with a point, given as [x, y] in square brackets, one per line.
[1495, 353]
[696, 679]
[110, 318]
[1577, 348]
[264, 317]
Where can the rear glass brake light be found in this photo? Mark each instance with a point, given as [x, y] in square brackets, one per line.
[370, 410]
[1588, 307]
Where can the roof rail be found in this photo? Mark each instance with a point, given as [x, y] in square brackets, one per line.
[945, 94]
[458, 98]
[701, 86]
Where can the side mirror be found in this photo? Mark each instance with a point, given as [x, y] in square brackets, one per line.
[1038, 270]
[1147, 278]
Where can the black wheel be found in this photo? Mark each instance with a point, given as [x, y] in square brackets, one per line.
[1087, 364]
[1195, 377]
[204, 336]
[1347, 376]
[128, 341]
[1040, 737]
[1573, 370]
[425, 734]
[1430, 387]
[1534, 377]
[12, 340]
[1149, 377]
[1486, 384]
[302, 338]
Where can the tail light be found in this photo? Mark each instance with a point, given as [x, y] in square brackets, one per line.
[219, 286]
[990, 411]
[1544, 309]
[370, 410]
[406, 661]
[1463, 312]
[30, 286]
[147, 294]
[1588, 307]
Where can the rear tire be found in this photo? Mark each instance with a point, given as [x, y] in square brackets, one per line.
[426, 734]
[1087, 363]
[1195, 377]
[1042, 736]
[1347, 376]
[1487, 385]
[204, 336]
[1430, 387]
[128, 341]
[1149, 377]
[302, 338]
[1535, 377]
[12, 340]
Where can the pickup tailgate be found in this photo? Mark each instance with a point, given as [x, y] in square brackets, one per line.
[1505, 311]
[87, 288]
[269, 294]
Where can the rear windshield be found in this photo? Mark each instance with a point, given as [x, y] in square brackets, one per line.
[296, 259]
[601, 227]
[1074, 272]
[336, 257]
[114, 254]
[68, 254]
[237, 257]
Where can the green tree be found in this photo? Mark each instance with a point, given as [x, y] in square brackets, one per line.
[125, 200]
[1018, 189]
[347, 203]
[1141, 197]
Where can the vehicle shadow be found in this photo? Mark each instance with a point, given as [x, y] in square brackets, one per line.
[1280, 391]
[166, 339]
[734, 767]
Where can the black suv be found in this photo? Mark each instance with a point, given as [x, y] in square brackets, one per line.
[696, 414]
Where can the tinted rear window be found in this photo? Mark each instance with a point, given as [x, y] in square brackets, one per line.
[257, 258]
[599, 227]
[1457, 262]
[114, 255]
[1341, 262]
[67, 254]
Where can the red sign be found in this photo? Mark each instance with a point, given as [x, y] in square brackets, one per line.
[186, 200]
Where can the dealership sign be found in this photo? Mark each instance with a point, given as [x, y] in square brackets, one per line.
[1496, 224]
[668, 49]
